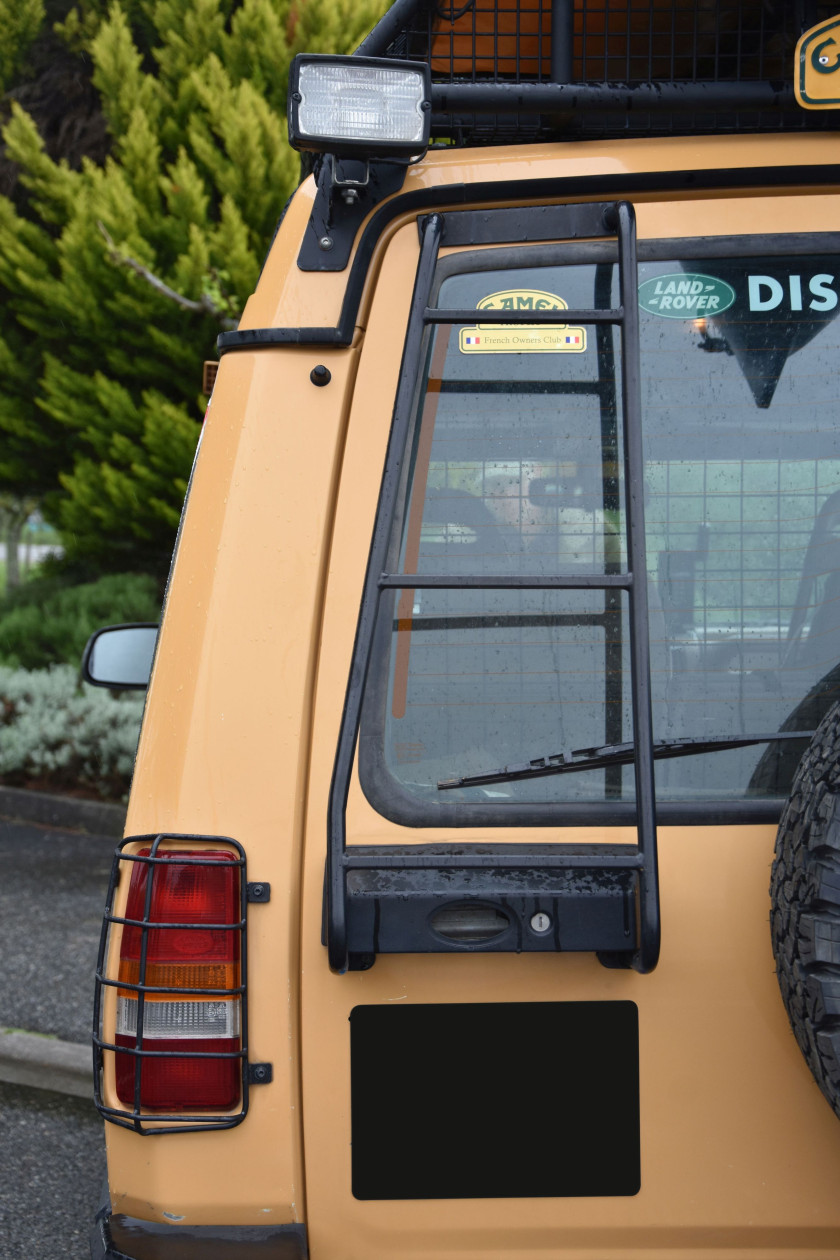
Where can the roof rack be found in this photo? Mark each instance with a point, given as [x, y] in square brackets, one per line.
[508, 71]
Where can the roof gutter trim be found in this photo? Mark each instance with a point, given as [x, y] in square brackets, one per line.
[443, 196]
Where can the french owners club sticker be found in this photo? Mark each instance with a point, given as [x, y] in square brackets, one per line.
[685, 295]
[522, 338]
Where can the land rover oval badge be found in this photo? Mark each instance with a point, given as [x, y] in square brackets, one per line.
[685, 295]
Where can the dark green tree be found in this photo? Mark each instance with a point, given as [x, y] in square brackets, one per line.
[117, 274]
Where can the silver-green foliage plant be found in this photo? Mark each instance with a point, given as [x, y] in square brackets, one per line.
[60, 735]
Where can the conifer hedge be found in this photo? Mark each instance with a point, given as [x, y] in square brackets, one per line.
[116, 276]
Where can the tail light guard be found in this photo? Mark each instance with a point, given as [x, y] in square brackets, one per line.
[180, 1050]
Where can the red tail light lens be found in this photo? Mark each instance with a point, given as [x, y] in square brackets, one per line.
[197, 893]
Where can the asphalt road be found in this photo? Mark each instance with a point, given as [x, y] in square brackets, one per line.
[52, 895]
[52, 1158]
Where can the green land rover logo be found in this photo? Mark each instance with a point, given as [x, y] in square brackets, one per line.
[685, 295]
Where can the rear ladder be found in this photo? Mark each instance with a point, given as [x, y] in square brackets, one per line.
[594, 898]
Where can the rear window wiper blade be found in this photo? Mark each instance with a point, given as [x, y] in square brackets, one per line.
[613, 755]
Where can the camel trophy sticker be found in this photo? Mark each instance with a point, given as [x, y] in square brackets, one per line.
[816, 77]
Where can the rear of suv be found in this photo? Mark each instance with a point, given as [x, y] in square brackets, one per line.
[499, 651]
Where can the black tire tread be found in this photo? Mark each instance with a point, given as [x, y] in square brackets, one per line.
[805, 918]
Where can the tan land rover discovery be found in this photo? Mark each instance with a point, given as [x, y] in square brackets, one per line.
[504, 622]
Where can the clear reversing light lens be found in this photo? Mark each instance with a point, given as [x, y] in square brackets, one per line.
[361, 103]
[179, 1019]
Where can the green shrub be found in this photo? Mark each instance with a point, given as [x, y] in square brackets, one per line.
[60, 735]
[44, 622]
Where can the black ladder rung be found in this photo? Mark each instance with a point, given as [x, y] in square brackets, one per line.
[465, 315]
[506, 863]
[514, 582]
[397, 861]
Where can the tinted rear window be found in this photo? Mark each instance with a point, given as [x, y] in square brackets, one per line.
[516, 467]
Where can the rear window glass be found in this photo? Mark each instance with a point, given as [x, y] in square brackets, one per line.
[516, 468]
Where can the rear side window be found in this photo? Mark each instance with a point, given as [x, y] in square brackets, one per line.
[516, 467]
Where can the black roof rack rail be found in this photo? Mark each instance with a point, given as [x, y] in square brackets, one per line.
[546, 69]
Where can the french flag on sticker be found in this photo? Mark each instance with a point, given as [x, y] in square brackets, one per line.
[473, 341]
[573, 340]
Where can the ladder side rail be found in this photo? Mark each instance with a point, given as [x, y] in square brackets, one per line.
[640, 678]
[611, 504]
[396, 454]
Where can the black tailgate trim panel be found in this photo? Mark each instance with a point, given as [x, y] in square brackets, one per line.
[495, 1100]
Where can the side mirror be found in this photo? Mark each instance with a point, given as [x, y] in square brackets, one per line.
[120, 657]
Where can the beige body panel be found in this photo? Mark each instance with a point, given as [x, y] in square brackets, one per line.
[740, 1152]
[739, 1149]
[224, 748]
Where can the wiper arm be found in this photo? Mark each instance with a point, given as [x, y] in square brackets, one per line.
[613, 755]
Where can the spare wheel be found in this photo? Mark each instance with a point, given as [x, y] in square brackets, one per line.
[805, 918]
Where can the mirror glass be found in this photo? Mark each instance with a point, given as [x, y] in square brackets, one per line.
[121, 656]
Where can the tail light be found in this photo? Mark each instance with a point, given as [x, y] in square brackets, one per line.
[178, 1044]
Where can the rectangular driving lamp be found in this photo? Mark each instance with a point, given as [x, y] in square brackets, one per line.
[362, 107]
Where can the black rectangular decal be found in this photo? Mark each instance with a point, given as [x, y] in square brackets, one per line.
[495, 1100]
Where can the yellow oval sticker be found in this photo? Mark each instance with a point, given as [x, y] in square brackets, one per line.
[522, 338]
